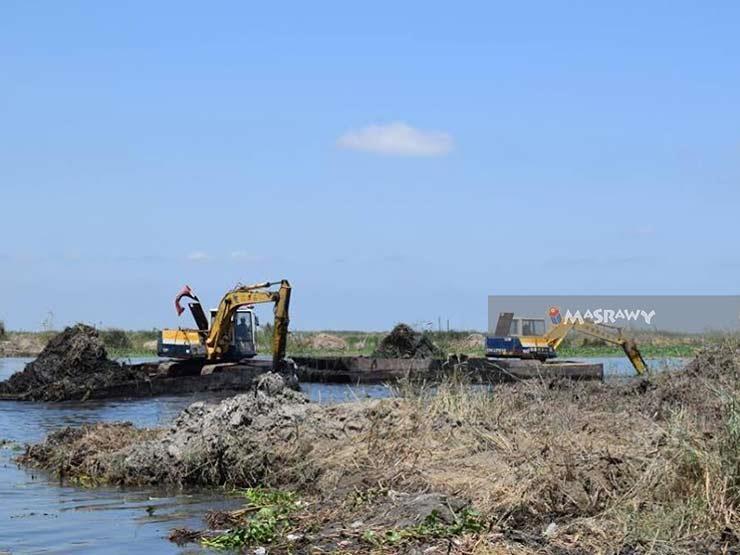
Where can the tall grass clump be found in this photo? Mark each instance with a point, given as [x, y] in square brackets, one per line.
[115, 339]
[638, 467]
[121, 343]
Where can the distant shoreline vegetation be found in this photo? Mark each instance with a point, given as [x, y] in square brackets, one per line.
[143, 343]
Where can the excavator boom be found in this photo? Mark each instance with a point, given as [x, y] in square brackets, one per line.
[633, 353]
[217, 342]
[606, 333]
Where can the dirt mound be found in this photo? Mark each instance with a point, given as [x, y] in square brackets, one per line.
[72, 363]
[263, 437]
[404, 342]
[214, 444]
[328, 342]
[237, 441]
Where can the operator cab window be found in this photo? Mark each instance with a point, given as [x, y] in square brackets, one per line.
[243, 327]
[533, 327]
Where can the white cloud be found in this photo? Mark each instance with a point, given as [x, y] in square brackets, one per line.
[197, 256]
[398, 139]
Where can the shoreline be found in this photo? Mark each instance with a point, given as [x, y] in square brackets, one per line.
[682, 351]
[142, 343]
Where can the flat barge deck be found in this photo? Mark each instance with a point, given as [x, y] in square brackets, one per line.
[180, 379]
[346, 370]
[368, 370]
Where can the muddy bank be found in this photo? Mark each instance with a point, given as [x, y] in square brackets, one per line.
[238, 441]
[72, 365]
[534, 467]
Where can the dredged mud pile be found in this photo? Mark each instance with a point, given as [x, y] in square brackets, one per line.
[73, 363]
[244, 440]
[404, 342]
[552, 467]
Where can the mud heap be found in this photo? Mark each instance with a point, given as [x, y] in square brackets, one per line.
[72, 364]
[255, 438]
[404, 342]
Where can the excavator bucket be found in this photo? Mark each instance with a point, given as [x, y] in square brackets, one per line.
[184, 292]
[195, 308]
[633, 353]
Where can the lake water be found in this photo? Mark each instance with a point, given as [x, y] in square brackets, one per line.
[620, 367]
[39, 515]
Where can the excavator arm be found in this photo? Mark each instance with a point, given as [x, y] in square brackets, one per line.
[607, 333]
[219, 336]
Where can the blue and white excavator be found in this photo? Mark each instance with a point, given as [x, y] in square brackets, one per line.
[532, 342]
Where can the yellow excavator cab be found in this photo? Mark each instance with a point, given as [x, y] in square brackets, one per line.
[230, 334]
[187, 343]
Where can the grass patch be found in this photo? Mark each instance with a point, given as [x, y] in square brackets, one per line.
[263, 520]
[432, 528]
[125, 343]
[132, 343]
[650, 351]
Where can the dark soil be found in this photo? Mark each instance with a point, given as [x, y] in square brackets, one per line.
[404, 342]
[73, 363]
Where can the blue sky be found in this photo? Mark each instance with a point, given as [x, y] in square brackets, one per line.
[395, 161]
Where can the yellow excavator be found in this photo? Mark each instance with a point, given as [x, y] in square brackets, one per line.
[536, 344]
[230, 334]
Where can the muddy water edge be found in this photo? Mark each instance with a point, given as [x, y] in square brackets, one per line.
[38, 514]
